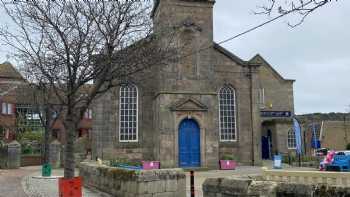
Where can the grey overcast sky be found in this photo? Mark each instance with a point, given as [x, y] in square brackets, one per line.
[315, 54]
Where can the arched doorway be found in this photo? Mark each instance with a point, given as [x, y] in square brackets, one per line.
[267, 140]
[189, 144]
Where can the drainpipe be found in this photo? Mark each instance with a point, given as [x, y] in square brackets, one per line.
[250, 75]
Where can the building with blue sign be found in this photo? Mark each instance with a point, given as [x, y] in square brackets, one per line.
[276, 104]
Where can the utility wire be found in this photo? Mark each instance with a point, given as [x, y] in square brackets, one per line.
[251, 29]
[246, 32]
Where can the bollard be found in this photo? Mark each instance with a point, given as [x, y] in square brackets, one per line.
[13, 155]
[192, 183]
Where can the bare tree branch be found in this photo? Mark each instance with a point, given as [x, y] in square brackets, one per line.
[301, 8]
[84, 48]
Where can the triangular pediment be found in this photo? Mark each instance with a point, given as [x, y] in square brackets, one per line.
[189, 104]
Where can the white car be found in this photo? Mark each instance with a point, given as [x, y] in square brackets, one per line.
[342, 152]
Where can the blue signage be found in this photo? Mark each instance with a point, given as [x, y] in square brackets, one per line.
[297, 131]
[280, 114]
[277, 162]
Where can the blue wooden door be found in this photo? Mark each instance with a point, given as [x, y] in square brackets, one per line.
[189, 144]
[265, 147]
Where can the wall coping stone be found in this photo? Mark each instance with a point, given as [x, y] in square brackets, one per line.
[255, 187]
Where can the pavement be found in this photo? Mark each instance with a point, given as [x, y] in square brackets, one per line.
[10, 181]
[27, 181]
[34, 185]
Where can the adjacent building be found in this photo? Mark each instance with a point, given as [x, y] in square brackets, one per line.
[10, 80]
[20, 111]
[335, 135]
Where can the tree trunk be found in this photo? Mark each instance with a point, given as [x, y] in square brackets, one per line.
[46, 145]
[47, 137]
[69, 163]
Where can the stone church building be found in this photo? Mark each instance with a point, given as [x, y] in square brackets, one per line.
[200, 109]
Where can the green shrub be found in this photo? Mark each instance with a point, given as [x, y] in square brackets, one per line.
[124, 161]
[30, 136]
[348, 146]
[294, 158]
[30, 142]
[228, 157]
[27, 149]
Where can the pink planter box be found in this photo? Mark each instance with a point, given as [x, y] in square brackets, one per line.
[228, 165]
[149, 165]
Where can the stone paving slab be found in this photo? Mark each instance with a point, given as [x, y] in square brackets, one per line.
[43, 187]
[10, 181]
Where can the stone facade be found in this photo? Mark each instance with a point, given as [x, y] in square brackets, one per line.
[188, 89]
[335, 134]
[276, 103]
[120, 182]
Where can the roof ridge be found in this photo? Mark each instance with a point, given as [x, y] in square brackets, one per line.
[254, 59]
[7, 70]
[229, 54]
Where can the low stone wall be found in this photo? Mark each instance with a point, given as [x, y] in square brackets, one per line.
[309, 177]
[238, 187]
[31, 160]
[281, 187]
[129, 183]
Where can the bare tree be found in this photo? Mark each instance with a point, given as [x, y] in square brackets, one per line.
[72, 44]
[48, 109]
[302, 8]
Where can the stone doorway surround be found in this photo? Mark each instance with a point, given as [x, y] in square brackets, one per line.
[190, 108]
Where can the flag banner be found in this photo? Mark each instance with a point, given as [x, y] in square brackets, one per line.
[297, 131]
[315, 142]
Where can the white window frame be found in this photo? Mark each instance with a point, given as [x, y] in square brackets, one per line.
[88, 114]
[290, 138]
[234, 133]
[7, 109]
[261, 98]
[137, 113]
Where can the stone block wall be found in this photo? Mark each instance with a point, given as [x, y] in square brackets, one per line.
[10, 155]
[129, 183]
[255, 187]
[31, 160]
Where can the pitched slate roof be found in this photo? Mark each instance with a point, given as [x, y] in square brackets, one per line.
[229, 54]
[7, 70]
[260, 60]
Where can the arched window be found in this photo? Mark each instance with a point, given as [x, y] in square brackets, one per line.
[292, 143]
[128, 113]
[227, 114]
